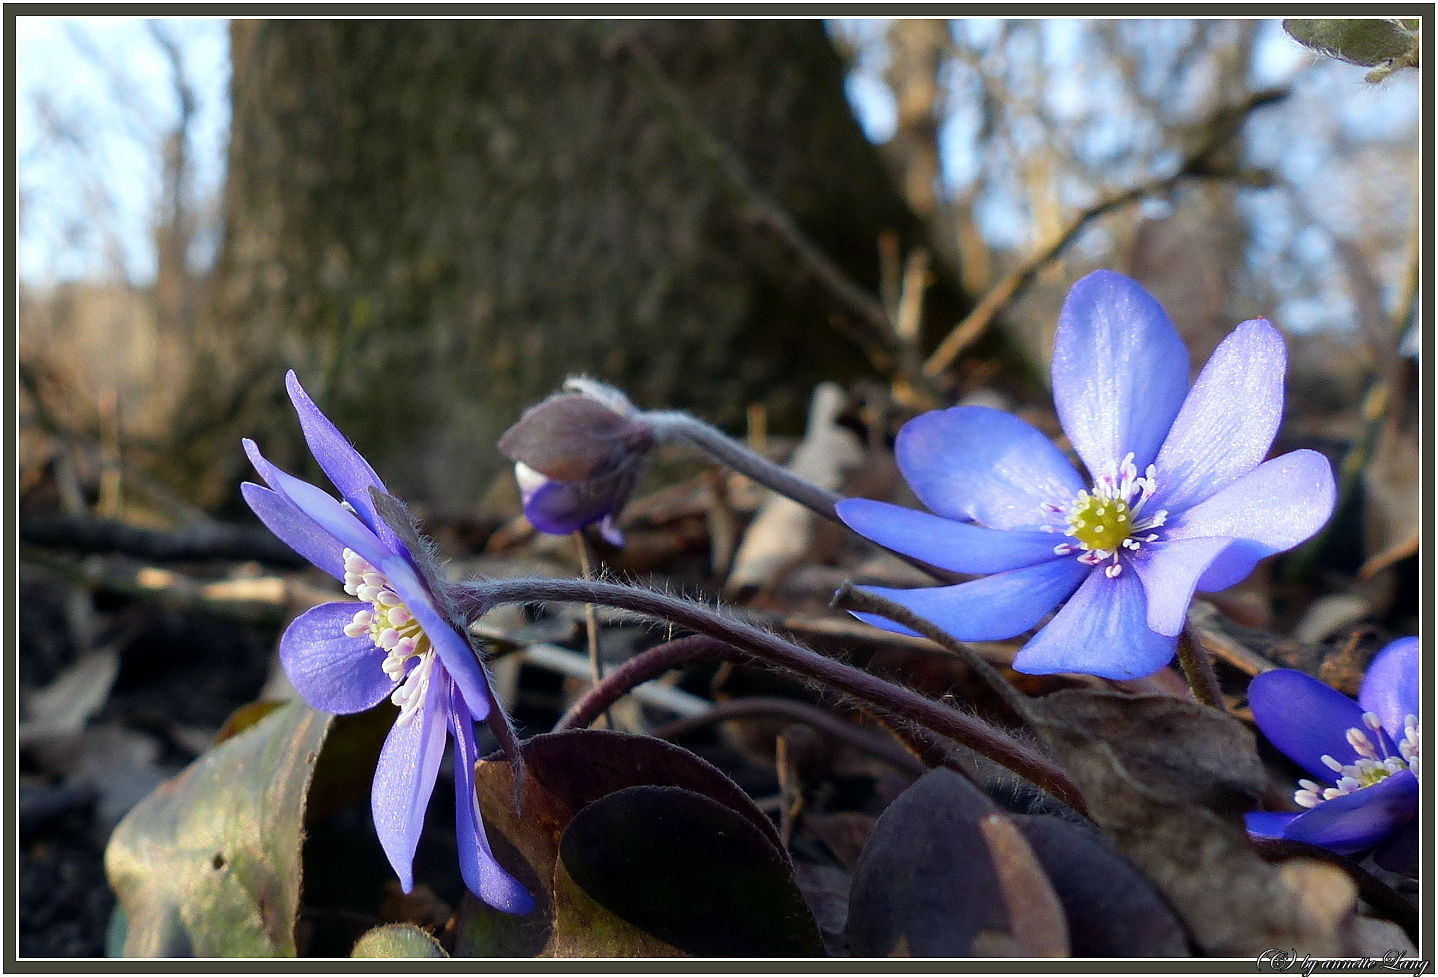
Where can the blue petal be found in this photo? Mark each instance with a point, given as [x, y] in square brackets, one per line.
[980, 464]
[1268, 824]
[295, 529]
[1102, 630]
[995, 607]
[1271, 509]
[346, 468]
[1360, 820]
[1228, 421]
[458, 657]
[564, 507]
[958, 546]
[331, 671]
[1169, 570]
[1390, 686]
[1304, 718]
[320, 506]
[1120, 371]
[404, 779]
[482, 874]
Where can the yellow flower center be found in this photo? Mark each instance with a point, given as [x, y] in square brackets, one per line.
[1099, 523]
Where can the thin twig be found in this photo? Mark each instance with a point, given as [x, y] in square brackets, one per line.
[591, 624]
[1196, 165]
[851, 598]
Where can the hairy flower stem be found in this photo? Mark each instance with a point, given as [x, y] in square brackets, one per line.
[643, 667]
[477, 598]
[1198, 669]
[700, 649]
[851, 598]
[670, 426]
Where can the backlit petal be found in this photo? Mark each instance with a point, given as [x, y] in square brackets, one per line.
[995, 607]
[1228, 420]
[331, 671]
[958, 546]
[1271, 509]
[339, 460]
[1169, 570]
[1120, 371]
[482, 874]
[981, 464]
[295, 529]
[404, 780]
[1390, 686]
[320, 506]
[1102, 630]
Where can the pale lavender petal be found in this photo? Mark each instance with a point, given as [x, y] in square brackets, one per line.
[295, 529]
[1120, 371]
[1102, 630]
[482, 874]
[1360, 820]
[1390, 686]
[1271, 509]
[1268, 824]
[958, 546]
[1169, 570]
[331, 671]
[980, 464]
[404, 780]
[320, 506]
[1229, 419]
[345, 466]
[1304, 718]
[454, 651]
[995, 607]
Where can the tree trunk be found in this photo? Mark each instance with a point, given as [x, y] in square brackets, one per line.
[435, 221]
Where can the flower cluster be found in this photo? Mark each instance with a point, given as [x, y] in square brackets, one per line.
[1178, 498]
[396, 642]
[1370, 750]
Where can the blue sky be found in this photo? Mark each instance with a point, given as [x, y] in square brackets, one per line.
[89, 176]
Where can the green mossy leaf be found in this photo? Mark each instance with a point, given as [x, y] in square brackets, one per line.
[209, 864]
[397, 940]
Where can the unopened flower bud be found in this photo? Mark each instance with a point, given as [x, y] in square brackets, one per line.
[578, 457]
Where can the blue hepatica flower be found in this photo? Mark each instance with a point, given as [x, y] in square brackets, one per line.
[1178, 496]
[1369, 750]
[395, 642]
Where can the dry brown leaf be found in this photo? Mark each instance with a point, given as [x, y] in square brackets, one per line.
[1169, 780]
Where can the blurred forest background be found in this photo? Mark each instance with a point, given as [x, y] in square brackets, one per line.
[434, 222]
